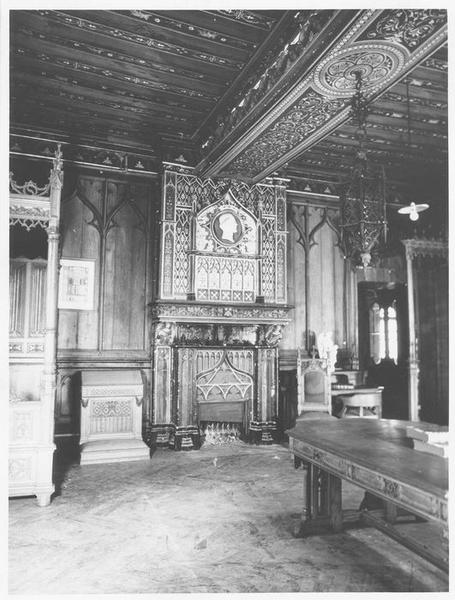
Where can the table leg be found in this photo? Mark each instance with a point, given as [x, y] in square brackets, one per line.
[307, 497]
[322, 505]
[391, 512]
[335, 503]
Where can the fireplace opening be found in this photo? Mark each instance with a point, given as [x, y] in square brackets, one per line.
[216, 433]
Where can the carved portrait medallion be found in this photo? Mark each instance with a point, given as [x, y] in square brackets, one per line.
[227, 228]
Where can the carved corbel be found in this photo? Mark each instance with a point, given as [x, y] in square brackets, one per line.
[272, 335]
[164, 333]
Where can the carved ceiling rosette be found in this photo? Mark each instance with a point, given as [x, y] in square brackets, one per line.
[378, 63]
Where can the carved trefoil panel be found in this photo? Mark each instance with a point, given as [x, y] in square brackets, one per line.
[224, 393]
[224, 383]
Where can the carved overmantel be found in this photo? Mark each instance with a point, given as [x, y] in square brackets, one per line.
[222, 304]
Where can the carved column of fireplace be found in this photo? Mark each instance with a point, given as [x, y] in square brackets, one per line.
[221, 309]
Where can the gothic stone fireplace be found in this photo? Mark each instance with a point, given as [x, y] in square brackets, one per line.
[221, 309]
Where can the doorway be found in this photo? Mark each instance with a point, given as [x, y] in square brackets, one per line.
[384, 343]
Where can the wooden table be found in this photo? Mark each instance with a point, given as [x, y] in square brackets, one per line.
[377, 456]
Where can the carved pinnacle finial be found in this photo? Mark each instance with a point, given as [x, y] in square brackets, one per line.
[58, 160]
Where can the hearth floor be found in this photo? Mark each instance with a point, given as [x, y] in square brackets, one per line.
[216, 520]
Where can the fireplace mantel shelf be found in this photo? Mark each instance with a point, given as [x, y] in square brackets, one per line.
[190, 311]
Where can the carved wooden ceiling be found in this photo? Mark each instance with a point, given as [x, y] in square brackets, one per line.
[236, 93]
[139, 78]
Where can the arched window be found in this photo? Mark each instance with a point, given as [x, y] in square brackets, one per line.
[383, 332]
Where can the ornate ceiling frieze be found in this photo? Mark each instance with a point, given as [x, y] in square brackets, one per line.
[309, 24]
[111, 74]
[409, 28]
[383, 45]
[108, 159]
[142, 40]
[312, 111]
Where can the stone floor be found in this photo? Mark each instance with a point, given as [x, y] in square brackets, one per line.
[217, 520]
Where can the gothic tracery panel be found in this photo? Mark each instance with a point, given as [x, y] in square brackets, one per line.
[222, 241]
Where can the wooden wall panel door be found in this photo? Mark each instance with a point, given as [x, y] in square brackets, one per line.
[315, 278]
[78, 330]
[325, 296]
[125, 268]
[294, 333]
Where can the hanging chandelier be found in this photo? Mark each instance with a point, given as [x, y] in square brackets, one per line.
[363, 206]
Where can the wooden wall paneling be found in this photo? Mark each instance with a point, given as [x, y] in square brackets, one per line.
[316, 270]
[126, 265]
[350, 297]
[332, 267]
[317, 294]
[288, 340]
[81, 210]
[432, 315]
[326, 278]
[294, 334]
